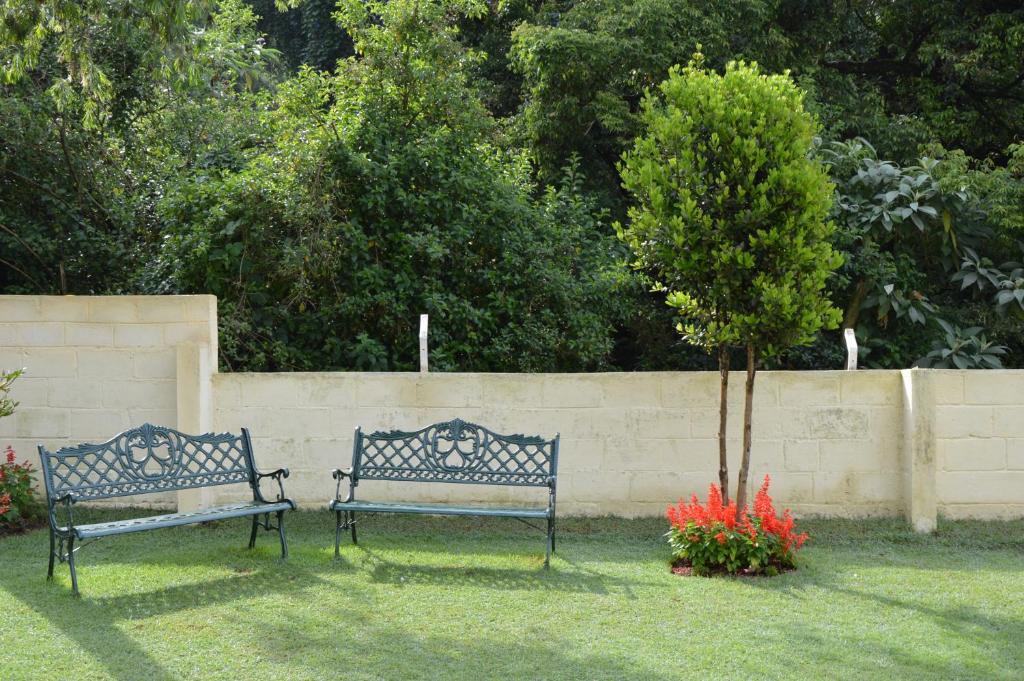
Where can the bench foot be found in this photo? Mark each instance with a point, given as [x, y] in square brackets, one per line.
[252, 535]
[280, 532]
[337, 534]
[53, 554]
[265, 524]
[551, 543]
[348, 524]
[71, 565]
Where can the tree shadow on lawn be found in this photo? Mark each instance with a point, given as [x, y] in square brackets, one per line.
[95, 624]
[382, 650]
[994, 638]
[888, 535]
[563, 576]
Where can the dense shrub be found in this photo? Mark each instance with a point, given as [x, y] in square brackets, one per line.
[714, 539]
[19, 506]
[370, 196]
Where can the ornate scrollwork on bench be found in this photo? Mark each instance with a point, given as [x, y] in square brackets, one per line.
[449, 452]
[456, 451]
[151, 459]
[147, 459]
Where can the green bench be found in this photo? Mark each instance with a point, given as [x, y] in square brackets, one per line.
[450, 452]
[148, 460]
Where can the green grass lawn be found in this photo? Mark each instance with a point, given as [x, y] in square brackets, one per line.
[456, 598]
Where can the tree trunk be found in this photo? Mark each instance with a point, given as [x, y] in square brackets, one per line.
[853, 308]
[748, 408]
[723, 418]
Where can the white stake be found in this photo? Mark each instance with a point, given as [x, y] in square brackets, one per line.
[423, 343]
[851, 349]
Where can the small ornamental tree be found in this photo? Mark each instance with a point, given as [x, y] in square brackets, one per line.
[730, 217]
[7, 405]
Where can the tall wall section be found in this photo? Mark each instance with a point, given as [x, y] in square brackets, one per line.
[863, 443]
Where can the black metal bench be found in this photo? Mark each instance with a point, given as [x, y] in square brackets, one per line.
[147, 460]
[449, 452]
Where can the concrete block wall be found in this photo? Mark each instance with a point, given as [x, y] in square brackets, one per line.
[95, 366]
[631, 443]
[916, 442]
[979, 431]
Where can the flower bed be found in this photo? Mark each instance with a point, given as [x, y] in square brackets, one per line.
[719, 538]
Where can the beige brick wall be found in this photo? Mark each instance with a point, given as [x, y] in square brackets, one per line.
[631, 443]
[95, 365]
[979, 429]
[836, 443]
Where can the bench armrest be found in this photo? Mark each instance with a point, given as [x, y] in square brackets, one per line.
[67, 501]
[279, 475]
[340, 474]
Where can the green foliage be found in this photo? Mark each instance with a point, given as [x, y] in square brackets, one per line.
[585, 66]
[80, 46]
[963, 349]
[114, 114]
[377, 194]
[918, 242]
[19, 504]
[77, 32]
[906, 73]
[979, 273]
[65, 222]
[731, 211]
[75, 200]
[901, 74]
[887, 215]
[7, 378]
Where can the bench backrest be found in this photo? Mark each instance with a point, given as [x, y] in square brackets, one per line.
[144, 460]
[455, 451]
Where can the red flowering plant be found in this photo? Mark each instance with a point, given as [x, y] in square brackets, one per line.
[19, 506]
[715, 538]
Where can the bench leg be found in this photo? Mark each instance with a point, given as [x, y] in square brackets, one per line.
[53, 552]
[252, 535]
[551, 543]
[352, 525]
[337, 533]
[280, 532]
[71, 564]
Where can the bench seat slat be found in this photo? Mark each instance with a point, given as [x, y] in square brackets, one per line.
[176, 519]
[438, 509]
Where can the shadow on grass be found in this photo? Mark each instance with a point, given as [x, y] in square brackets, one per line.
[968, 626]
[558, 578]
[342, 618]
[96, 624]
[968, 629]
[385, 650]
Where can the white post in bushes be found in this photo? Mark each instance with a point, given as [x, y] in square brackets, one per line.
[851, 349]
[423, 343]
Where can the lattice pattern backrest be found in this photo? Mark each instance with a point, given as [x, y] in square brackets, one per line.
[456, 451]
[144, 460]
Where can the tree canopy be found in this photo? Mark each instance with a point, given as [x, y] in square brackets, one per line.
[344, 167]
